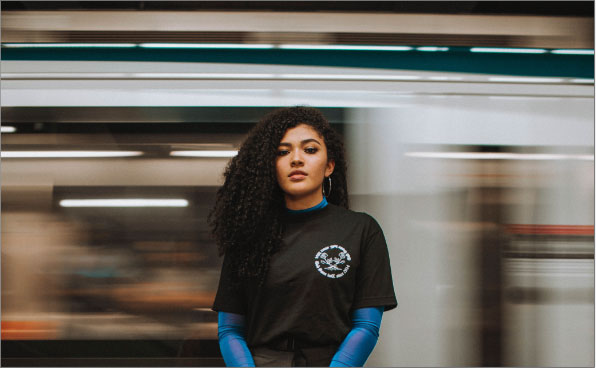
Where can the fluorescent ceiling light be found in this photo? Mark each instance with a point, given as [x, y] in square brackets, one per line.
[204, 153]
[346, 47]
[132, 202]
[440, 78]
[432, 48]
[8, 129]
[64, 75]
[68, 154]
[69, 45]
[525, 80]
[582, 80]
[207, 45]
[209, 76]
[135, 76]
[205, 75]
[499, 156]
[348, 77]
[573, 52]
[507, 50]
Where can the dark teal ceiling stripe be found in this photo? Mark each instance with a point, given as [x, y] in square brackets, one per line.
[454, 60]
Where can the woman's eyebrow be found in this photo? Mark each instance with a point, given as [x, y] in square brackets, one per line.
[302, 142]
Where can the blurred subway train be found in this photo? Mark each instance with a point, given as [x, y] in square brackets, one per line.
[469, 135]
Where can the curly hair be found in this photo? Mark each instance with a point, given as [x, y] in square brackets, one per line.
[247, 217]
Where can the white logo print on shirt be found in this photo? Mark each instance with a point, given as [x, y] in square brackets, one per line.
[332, 261]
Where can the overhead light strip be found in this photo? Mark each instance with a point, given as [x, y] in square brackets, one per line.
[499, 156]
[108, 154]
[349, 77]
[8, 129]
[248, 76]
[205, 75]
[346, 47]
[217, 154]
[285, 76]
[68, 154]
[445, 78]
[206, 46]
[131, 202]
[175, 45]
[508, 50]
[573, 52]
[66, 45]
[525, 80]
[582, 80]
[431, 48]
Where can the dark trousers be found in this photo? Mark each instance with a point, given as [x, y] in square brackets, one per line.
[300, 357]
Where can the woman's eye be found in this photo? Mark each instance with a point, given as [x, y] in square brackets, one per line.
[311, 150]
[281, 153]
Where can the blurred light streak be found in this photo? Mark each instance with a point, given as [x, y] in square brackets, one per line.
[77, 76]
[206, 46]
[269, 76]
[573, 52]
[69, 45]
[582, 80]
[507, 50]
[525, 80]
[299, 47]
[432, 48]
[499, 156]
[349, 77]
[36, 76]
[551, 267]
[68, 154]
[205, 75]
[132, 202]
[8, 129]
[29, 330]
[550, 229]
[204, 153]
[441, 78]
[346, 47]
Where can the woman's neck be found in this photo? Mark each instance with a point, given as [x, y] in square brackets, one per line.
[321, 204]
[302, 201]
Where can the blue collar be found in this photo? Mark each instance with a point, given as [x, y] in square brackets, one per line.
[318, 206]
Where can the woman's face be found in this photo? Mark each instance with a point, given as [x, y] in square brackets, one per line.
[302, 165]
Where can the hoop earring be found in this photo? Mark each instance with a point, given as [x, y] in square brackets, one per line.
[326, 195]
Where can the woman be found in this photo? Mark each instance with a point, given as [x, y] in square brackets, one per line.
[304, 280]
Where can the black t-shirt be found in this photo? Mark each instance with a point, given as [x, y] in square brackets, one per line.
[331, 262]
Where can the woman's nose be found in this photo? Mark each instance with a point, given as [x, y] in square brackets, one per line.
[296, 158]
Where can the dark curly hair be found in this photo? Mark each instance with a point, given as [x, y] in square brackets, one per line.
[246, 218]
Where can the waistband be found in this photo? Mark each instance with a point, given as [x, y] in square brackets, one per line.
[290, 343]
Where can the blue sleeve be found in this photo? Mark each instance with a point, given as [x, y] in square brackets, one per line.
[230, 331]
[361, 340]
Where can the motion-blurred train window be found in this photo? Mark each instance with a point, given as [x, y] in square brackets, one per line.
[107, 257]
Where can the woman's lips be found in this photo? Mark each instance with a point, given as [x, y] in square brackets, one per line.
[297, 177]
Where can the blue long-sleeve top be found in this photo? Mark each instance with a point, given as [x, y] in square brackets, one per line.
[361, 340]
[353, 351]
[232, 343]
